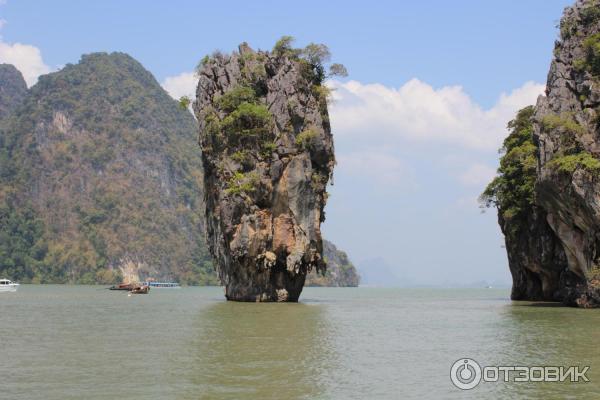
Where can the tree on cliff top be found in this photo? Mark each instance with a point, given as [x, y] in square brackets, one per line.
[317, 55]
[512, 191]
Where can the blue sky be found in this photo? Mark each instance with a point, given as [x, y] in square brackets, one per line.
[485, 46]
[417, 123]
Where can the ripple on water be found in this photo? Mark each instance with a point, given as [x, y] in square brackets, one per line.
[75, 341]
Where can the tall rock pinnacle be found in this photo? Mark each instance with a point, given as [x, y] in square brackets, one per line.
[268, 155]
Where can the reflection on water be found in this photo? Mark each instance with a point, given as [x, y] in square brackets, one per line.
[262, 351]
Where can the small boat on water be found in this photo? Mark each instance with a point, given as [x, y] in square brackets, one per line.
[143, 289]
[135, 288]
[163, 285]
[123, 286]
[8, 286]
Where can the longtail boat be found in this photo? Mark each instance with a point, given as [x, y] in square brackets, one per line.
[123, 286]
[143, 289]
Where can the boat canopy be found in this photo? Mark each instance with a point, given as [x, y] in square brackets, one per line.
[162, 284]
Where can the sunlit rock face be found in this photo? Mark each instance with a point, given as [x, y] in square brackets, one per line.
[267, 151]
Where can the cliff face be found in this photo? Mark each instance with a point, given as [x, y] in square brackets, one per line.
[536, 258]
[567, 131]
[102, 180]
[548, 191]
[267, 153]
[12, 89]
[340, 270]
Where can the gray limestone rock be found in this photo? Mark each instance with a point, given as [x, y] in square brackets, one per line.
[267, 152]
[557, 257]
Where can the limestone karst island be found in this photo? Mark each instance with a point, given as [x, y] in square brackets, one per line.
[358, 200]
[267, 152]
[547, 191]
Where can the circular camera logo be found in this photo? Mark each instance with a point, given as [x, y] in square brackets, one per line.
[465, 374]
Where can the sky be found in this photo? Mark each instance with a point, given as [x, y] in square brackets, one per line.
[417, 123]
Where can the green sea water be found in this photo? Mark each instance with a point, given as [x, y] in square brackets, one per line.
[82, 342]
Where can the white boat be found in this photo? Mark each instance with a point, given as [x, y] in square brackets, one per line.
[163, 285]
[8, 286]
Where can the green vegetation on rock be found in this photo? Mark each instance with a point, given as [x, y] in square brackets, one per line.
[233, 99]
[564, 122]
[567, 28]
[283, 47]
[591, 46]
[569, 163]
[571, 156]
[305, 138]
[241, 183]
[590, 14]
[512, 191]
[184, 102]
[591, 62]
[244, 116]
[240, 156]
[247, 119]
[314, 57]
[570, 131]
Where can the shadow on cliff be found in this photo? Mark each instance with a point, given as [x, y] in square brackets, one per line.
[272, 351]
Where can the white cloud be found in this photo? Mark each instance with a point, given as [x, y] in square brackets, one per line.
[183, 84]
[418, 112]
[477, 175]
[26, 58]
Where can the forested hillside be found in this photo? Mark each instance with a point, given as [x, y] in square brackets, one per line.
[102, 179]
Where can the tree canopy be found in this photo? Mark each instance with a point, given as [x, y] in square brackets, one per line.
[512, 191]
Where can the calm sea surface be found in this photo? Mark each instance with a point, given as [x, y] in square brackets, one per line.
[82, 342]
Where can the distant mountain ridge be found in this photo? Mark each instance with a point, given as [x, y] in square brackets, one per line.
[376, 272]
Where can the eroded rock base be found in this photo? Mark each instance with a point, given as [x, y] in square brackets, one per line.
[269, 286]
